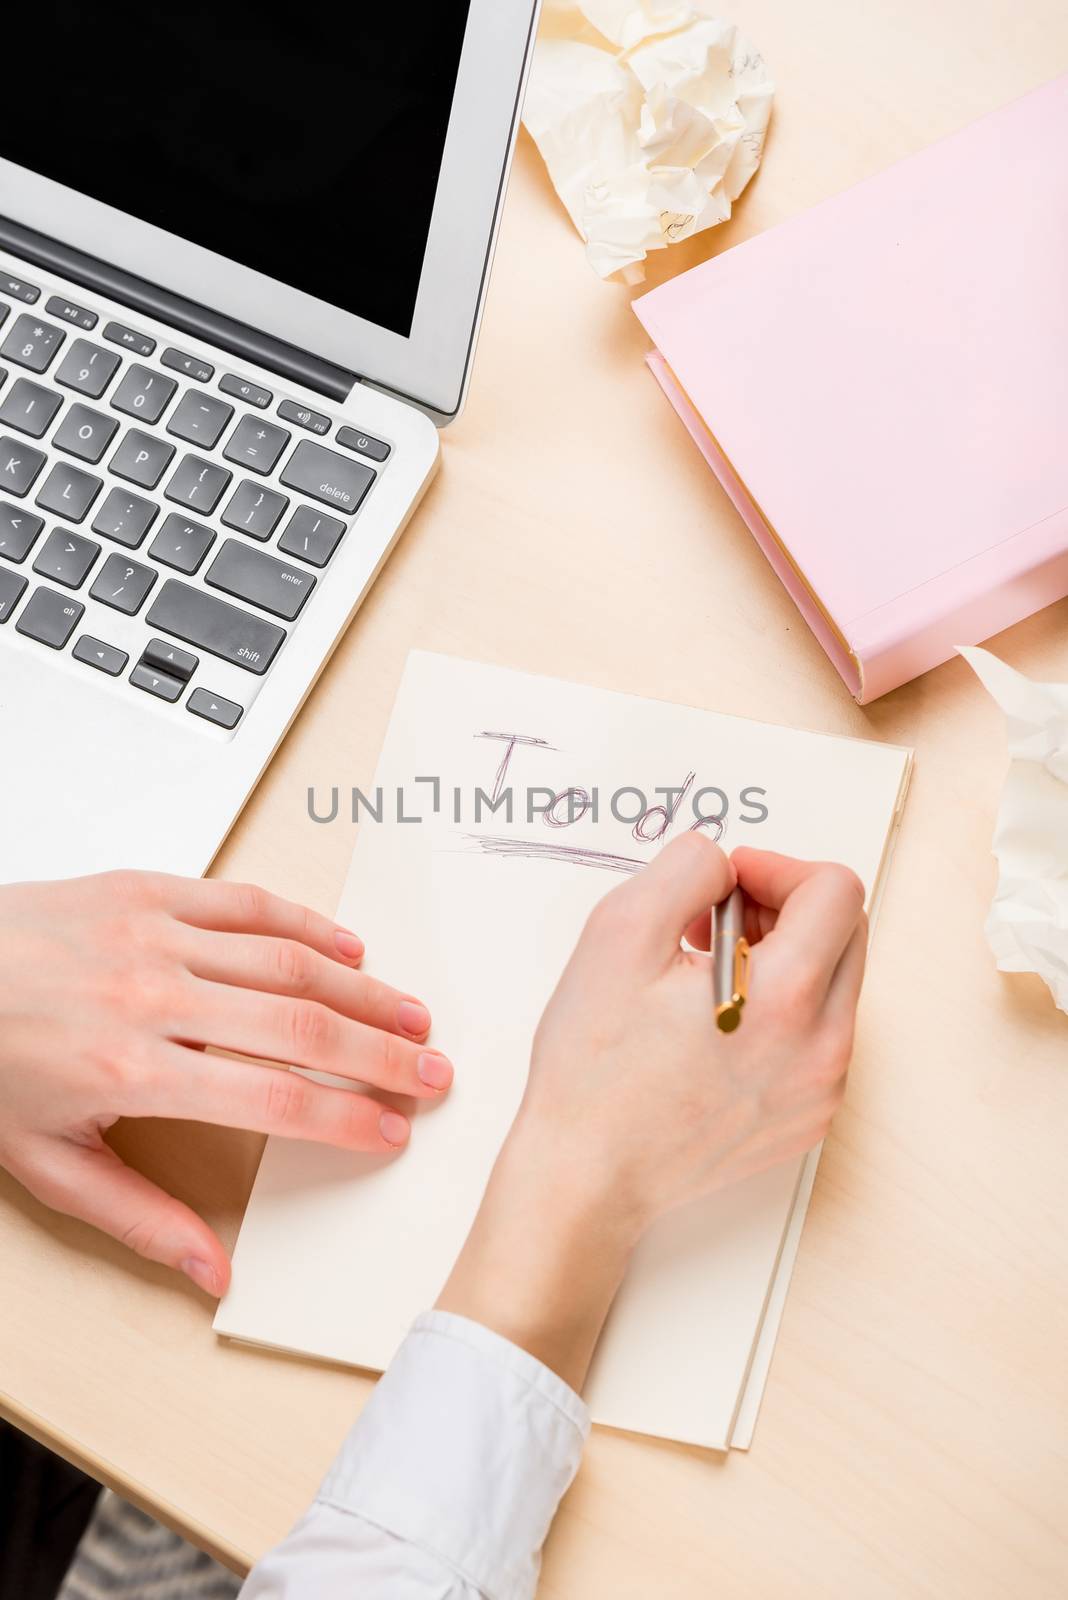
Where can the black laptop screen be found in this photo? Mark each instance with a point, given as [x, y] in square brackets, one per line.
[304, 141]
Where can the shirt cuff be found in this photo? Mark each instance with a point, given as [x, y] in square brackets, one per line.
[466, 1447]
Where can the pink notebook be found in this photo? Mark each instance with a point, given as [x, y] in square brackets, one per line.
[881, 386]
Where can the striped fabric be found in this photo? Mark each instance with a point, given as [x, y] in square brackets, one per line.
[124, 1555]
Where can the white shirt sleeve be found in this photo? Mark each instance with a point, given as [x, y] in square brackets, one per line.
[447, 1485]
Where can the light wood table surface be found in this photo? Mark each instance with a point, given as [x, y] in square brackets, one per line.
[912, 1440]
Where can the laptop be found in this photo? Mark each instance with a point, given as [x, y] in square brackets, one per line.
[243, 258]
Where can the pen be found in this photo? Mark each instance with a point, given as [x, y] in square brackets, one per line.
[730, 960]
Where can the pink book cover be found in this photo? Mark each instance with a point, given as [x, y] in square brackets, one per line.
[881, 385]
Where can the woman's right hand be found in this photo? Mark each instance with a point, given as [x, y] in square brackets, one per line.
[632, 1081]
[636, 1103]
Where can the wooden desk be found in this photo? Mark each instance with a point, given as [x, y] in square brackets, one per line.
[911, 1442]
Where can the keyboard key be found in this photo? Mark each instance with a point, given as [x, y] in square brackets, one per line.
[125, 517]
[12, 585]
[192, 366]
[29, 408]
[66, 557]
[138, 342]
[248, 574]
[352, 439]
[213, 708]
[241, 389]
[198, 484]
[32, 344]
[256, 444]
[104, 657]
[289, 411]
[157, 683]
[5, 312]
[18, 530]
[20, 466]
[200, 419]
[85, 433]
[87, 368]
[209, 624]
[67, 311]
[164, 657]
[143, 393]
[311, 535]
[254, 510]
[68, 491]
[123, 583]
[142, 459]
[50, 618]
[181, 544]
[326, 476]
[18, 289]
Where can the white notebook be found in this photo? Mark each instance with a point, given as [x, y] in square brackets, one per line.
[477, 915]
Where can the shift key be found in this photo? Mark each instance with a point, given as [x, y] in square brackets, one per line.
[209, 624]
[323, 475]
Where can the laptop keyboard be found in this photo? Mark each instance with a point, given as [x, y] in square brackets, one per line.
[127, 470]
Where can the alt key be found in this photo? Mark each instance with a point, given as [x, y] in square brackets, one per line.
[213, 708]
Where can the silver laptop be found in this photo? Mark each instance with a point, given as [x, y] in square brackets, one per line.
[243, 255]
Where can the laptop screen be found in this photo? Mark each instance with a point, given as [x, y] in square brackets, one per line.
[304, 142]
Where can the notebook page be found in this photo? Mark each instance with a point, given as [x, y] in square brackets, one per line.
[338, 1253]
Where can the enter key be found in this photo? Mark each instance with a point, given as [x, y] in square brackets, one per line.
[251, 575]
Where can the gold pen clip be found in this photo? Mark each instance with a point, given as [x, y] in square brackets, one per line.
[729, 1013]
[741, 973]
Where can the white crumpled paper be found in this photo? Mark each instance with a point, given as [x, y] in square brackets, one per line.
[651, 118]
[1028, 923]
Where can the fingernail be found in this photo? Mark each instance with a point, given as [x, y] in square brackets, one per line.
[413, 1017]
[393, 1128]
[202, 1273]
[350, 945]
[434, 1069]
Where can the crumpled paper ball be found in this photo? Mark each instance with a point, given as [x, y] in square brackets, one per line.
[650, 116]
[1027, 928]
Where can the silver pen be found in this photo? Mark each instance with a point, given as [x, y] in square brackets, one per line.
[730, 960]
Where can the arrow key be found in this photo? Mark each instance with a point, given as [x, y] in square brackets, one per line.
[160, 684]
[164, 657]
[213, 708]
[104, 657]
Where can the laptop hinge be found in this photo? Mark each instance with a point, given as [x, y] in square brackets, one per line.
[261, 348]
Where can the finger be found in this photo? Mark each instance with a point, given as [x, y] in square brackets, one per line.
[661, 901]
[287, 967]
[95, 1186]
[306, 1033]
[246, 908]
[234, 1094]
[817, 906]
[759, 920]
[843, 993]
